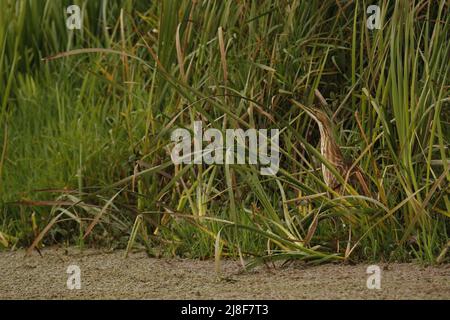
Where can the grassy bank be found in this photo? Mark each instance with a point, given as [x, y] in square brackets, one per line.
[85, 134]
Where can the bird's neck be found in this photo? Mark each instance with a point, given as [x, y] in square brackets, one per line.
[327, 142]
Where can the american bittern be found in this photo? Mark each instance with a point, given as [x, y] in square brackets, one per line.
[331, 151]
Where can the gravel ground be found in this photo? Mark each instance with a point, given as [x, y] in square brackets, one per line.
[110, 276]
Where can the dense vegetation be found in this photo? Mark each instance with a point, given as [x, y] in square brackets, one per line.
[85, 135]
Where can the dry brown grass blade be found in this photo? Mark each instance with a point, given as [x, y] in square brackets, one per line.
[86, 50]
[320, 97]
[100, 214]
[307, 198]
[348, 248]
[223, 55]
[362, 182]
[43, 233]
[180, 54]
[52, 203]
[312, 229]
[264, 113]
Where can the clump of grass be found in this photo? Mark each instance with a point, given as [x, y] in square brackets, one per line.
[86, 135]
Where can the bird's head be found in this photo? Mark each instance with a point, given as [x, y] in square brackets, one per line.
[318, 115]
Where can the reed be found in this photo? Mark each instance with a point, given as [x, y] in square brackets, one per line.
[85, 135]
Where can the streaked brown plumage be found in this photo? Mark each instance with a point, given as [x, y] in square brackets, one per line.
[331, 151]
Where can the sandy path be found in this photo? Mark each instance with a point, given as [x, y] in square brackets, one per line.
[110, 276]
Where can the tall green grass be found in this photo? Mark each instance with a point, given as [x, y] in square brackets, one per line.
[86, 133]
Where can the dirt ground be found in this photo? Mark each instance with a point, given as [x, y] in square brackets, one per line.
[110, 276]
